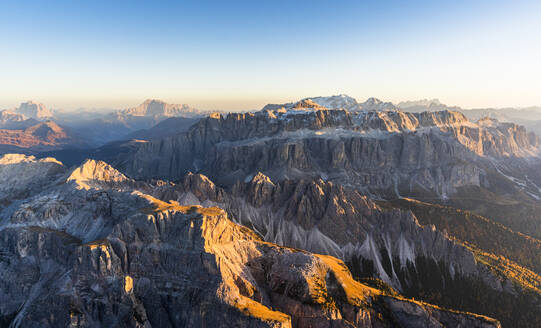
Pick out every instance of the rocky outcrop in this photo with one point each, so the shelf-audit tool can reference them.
(113, 256)
(95, 174)
(31, 109)
(154, 107)
(22, 176)
(425, 105)
(327, 218)
(12, 120)
(318, 216)
(140, 122)
(389, 154)
(336, 102)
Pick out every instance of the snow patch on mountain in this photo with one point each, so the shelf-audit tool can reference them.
(374, 104)
(336, 102)
(344, 102)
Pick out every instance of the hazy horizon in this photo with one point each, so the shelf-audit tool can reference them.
(258, 104)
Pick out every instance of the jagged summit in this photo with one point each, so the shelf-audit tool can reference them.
(261, 178)
(94, 173)
(47, 130)
(420, 102)
(21, 158)
(31, 109)
(155, 107)
(7, 116)
(335, 102)
(329, 102)
(63, 251)
(423, 105)
(374, 104)
(20, 175)
(307, 104)
(36, 135)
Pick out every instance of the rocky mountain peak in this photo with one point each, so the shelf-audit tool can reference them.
(201, 186)
(375, 104)
(260, 178)
(33, 109)
(93, 174)
(47, 130)
(126, 257)
(155, 107)
(37, 135)
(307, 104)
(260, 189)
(10, 116)
(420, 102)
(425, 105)
(21, 158)
(373, 101)
(21, 175)
(444, 117)
(113, 233)
(336, 102)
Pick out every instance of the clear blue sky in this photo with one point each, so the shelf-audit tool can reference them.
(243, 54)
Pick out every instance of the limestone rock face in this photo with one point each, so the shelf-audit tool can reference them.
(114, 255)
(93, 173)
(31, 109)
(326, 218)
(21, 175)
(336, 102)
(388, 153)
(154, 107)
(264, 220)
(10, 119)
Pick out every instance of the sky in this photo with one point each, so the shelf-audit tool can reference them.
(240, 55)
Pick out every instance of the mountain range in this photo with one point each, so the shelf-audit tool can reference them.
(99, 127)
(94, 128)
(324, 212)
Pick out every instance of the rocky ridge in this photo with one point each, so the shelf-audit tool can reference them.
(31, 109)
(104, 254)
(302, 177)
(154, 107)
(325, 218)
(385, 153)
(337, 102)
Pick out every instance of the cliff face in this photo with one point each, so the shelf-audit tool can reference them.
(309, 224)
(93, 249)
(389, 244)
(386, 153)
(155, 107)
(34, 110)
(326, 218)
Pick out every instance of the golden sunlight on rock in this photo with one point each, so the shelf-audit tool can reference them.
(128, 284)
